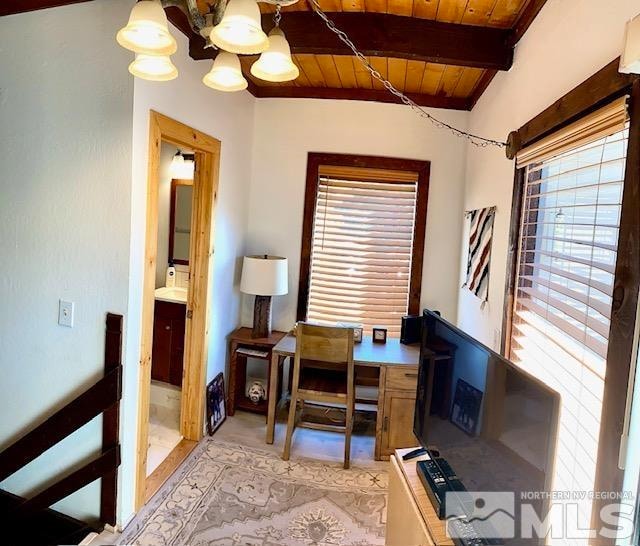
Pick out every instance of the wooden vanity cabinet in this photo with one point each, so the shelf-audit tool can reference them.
(169, 323)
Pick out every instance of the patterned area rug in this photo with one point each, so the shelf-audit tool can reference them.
(226, 494)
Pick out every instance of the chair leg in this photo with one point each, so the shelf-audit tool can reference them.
(347, 435)
(291, 423)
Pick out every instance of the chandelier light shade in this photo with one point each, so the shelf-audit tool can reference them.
(155, 68)
(225, 74)
(240, 30)
(147, 31)
(275, 64)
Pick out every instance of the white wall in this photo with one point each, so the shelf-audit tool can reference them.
(229, 118)
(569, 41)
(287, 129)
(65, 175)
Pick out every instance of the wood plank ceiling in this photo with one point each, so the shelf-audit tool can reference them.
(442, 53)
(410, 76)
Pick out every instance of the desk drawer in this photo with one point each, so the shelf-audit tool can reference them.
(401, 378)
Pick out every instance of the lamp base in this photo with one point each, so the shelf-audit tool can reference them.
(261, 317)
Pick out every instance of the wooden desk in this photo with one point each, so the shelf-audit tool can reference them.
(397, 382)
(411, 519)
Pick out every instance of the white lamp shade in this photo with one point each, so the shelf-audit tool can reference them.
(147, 31)
(264, 276)
(240, 30)
(181, 168)
(156, 68)
(275, 64)
(225, 74)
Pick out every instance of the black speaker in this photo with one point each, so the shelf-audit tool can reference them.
(411, 329)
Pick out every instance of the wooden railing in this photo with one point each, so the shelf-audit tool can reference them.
(103, 397)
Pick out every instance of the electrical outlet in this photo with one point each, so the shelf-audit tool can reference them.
(65, 313)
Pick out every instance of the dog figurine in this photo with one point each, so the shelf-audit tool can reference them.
(256, 392)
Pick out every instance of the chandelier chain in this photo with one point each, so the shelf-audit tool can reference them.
(277, 15)
(473, 139)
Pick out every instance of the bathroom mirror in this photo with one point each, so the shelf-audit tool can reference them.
(180, 221)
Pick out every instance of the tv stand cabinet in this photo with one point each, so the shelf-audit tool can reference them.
(411, 519)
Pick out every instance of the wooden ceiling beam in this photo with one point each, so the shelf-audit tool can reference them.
(377, 95)
(381, 35)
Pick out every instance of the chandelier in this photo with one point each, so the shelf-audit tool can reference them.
(232, 26)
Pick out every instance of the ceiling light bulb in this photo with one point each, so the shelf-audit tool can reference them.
(181, 168)
(155, 68)
(147, 31)
(240, 30)
(225, 74)
(275, 64)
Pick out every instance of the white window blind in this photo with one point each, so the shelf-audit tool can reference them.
(362, 246)
(564, 286)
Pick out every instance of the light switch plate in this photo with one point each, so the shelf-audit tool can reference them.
(65, 313)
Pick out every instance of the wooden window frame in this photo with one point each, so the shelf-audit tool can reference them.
(314, 161)
(603, 87)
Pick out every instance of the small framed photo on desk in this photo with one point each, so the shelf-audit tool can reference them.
(379, 334)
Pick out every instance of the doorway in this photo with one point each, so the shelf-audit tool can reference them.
(178, 254)
(175, 206)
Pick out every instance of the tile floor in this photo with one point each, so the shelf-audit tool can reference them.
(164, 423)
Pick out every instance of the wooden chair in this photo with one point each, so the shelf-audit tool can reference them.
(323, 372)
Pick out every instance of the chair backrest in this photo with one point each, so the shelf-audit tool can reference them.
(324, 343)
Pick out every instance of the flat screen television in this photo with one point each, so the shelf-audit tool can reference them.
(493, 423)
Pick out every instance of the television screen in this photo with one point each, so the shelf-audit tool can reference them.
(493, 423)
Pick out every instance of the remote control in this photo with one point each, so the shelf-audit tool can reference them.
(435, 484)
(464, 534)
(413, 454)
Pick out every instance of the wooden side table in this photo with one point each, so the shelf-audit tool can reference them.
(241, 347)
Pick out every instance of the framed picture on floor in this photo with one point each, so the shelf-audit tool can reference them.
(216, 410)
(466, 407)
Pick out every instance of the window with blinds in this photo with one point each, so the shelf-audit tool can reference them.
(362, 247)
(565, 275)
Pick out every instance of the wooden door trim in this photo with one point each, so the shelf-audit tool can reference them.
(207, 158)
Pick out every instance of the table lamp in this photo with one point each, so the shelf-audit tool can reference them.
(263, 276)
